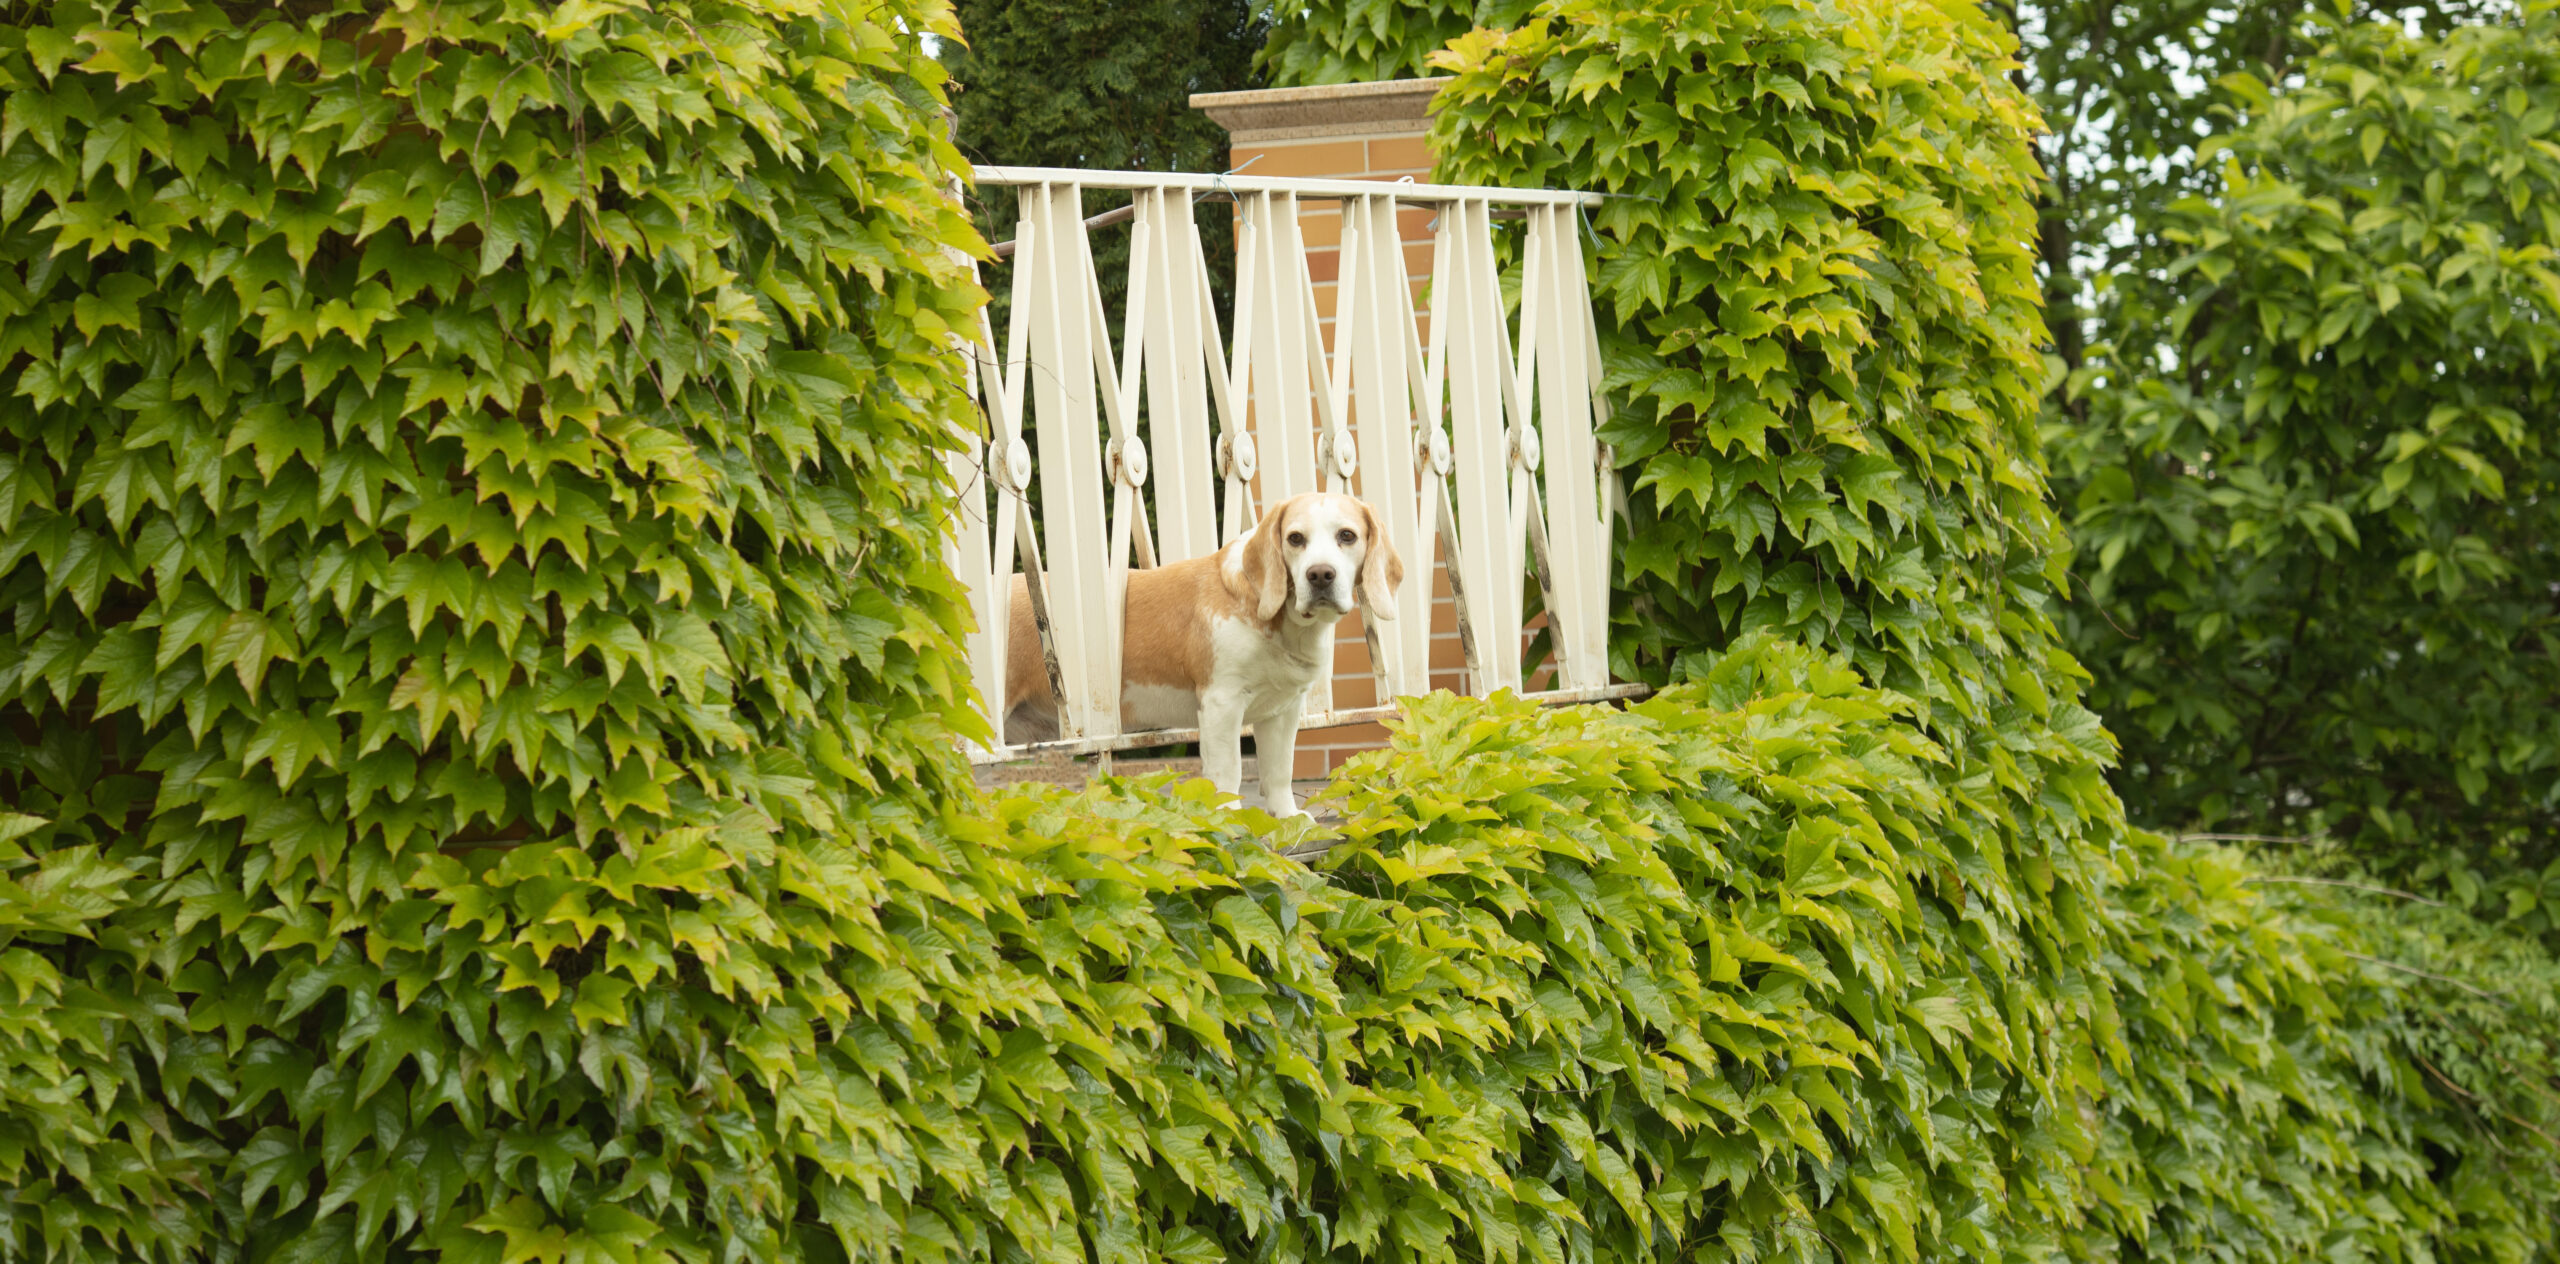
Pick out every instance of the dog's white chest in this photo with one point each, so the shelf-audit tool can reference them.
(1261, 667)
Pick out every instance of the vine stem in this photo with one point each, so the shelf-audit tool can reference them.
(2341, 882)
(2428, 974)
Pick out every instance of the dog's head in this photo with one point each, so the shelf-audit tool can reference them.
(1313, 557)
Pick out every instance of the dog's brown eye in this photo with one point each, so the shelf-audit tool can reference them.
(1297, 539)
(1346, 536)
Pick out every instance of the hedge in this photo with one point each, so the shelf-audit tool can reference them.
(472, 638)
(1740, 973)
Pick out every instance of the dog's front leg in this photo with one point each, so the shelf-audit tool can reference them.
(1222, 738)
(1275, 747)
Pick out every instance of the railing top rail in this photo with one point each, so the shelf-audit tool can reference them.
(1201, 181)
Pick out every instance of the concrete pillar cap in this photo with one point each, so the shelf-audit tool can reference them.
(1331, 109)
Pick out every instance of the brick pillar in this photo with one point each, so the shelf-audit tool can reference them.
(1356, 131)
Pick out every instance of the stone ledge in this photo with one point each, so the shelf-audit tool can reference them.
(1265, 115)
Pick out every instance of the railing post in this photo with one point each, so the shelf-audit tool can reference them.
(1272, 351)
(1168, 352)
(1576, 530)
(1466, 300)
(1374, 336)
(1062, 390)
(966, 549)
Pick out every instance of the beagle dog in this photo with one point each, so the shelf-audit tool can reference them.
(1228, 639)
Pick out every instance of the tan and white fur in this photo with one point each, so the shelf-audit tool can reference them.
(1229, 639)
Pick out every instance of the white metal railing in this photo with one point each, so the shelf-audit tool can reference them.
(1447, 440)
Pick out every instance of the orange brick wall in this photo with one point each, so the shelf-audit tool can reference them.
(1389, 155)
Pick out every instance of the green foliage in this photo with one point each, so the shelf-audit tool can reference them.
(1823, 327)
(1056, 84)
(2310, 1071)
(2317, 490)
(471, 632)
(2125, 88)
(1820, 326)
(1744, 972)
(476, 677)
(1068, 83)
(1360, 41)
(1732, 975)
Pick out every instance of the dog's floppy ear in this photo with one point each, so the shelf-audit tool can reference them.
(1381, 570)
(1261, 574)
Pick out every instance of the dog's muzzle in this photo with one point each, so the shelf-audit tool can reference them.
(1325, 586)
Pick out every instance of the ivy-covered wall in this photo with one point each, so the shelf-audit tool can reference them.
(472, 649)
(1728, 976)
(476, 778)
(1820, 316)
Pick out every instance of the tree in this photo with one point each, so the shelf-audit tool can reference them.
(1067, 83)
(2127, 89)
(2317, 524)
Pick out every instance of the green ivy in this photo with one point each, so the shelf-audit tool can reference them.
(2318, 1068)
(1820, 309)
(2317, 488)
(1360, 41)
(477, 704)
(1740, 973)
(473, 648)
(1819, 312)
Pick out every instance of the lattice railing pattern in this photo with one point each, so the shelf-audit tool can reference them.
(1475, 442)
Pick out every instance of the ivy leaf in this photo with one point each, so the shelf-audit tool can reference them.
(511, 225)
(49, 47)
(292, 741)
(626, 80)
(529, 1233)
(119, 53)
(247, 642)
(115, 303)
(600, 998)
(274, 1159)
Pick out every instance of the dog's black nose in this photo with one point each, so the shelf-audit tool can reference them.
(1320, 578)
